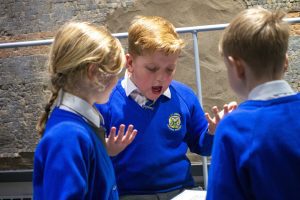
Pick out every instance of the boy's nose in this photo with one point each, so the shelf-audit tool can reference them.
(160, 77)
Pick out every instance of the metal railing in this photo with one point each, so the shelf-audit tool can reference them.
(16, 184)
(193, 30)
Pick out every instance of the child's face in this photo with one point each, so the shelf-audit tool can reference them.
(152, 73)
(103, 96)
(109, 87)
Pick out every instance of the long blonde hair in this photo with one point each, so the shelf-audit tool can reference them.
(76, 46)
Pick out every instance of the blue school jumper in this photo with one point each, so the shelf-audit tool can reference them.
(156, 160)
(256, 152)
(71, 161)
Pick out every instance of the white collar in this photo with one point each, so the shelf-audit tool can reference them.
(129, 87)
(75, 104)
(271, 90)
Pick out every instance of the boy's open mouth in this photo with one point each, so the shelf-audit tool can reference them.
(156, 89)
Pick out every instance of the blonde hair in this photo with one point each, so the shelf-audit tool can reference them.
(259, 37)
(76, 46)
(148, 34)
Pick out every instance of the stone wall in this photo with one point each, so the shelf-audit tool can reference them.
(288, 5)
(34, 16)
(23, 82)
(293, 73)
(23, 75)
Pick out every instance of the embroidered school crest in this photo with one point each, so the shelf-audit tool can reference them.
(174, 122)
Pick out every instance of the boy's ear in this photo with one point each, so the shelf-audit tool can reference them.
(238, 66)
(129, 61)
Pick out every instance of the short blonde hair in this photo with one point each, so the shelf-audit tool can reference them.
(76, 46)
(259, 37)
(148, 34)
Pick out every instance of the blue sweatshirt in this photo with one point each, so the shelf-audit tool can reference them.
(256, 153)
(71, 162)
(156, 160)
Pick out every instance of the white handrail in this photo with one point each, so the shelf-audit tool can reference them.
(192, 29)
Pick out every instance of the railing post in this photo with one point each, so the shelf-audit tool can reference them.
(199, 94)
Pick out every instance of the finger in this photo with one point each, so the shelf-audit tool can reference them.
(120, 133)
(216, 113)
(232, 106)
(211, 124)
(208, 118)
(132, 136)
(225, 109)
(112, 135)
(233, 103)
(128, 132)
(112, 132)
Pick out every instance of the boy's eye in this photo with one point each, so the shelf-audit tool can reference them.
(170, 71)
(152, 69)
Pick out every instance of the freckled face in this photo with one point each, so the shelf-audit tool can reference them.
(152, 73)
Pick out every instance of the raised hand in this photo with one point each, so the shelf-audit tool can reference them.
(218, 115)
(117, 143)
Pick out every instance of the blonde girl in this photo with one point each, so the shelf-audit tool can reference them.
(71, 160)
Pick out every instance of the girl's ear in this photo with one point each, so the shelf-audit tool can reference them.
(238, 66)
(92, 71)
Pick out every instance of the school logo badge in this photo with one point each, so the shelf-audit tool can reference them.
(174, 122)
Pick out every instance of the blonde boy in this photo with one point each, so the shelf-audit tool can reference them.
(256, 152)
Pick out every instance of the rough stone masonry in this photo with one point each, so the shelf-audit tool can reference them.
(23, 75)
